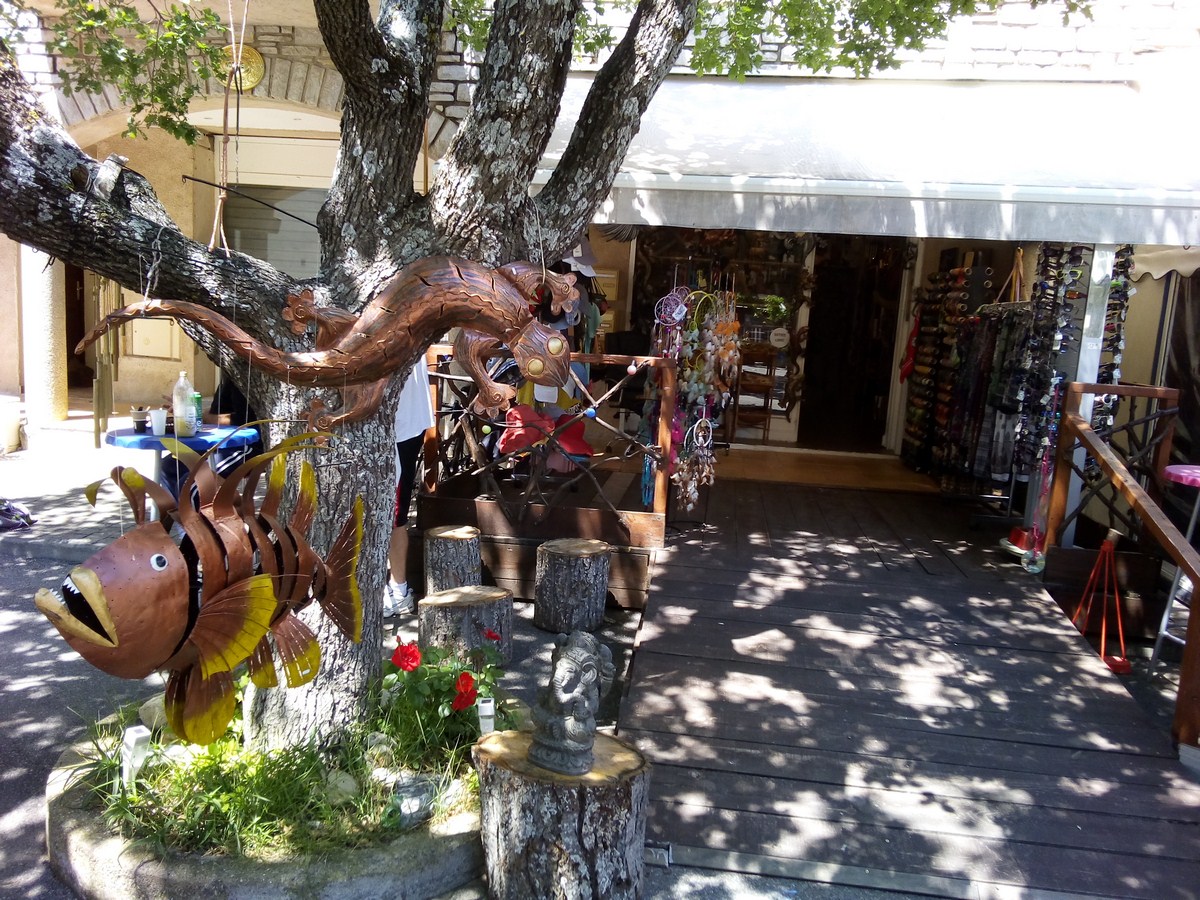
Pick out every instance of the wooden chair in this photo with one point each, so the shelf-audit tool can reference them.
(754, 404)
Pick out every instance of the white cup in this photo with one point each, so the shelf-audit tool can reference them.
(158, 421)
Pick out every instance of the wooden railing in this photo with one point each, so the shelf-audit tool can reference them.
(1075, 432)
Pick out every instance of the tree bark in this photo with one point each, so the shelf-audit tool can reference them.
(548, 835)
(571, 586)
(451, 557)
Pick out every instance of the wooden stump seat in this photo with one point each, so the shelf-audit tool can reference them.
(458, 620)
(572, 585)
(551, 835)
(451, 557)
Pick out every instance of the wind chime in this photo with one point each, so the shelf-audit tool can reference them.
(699, 330)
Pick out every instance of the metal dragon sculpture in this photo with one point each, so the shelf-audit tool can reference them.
(358, 353)
(226, 593)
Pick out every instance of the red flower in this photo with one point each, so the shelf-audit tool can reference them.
(465, 699)
(465, 684)
(490, 635)
(407, 657)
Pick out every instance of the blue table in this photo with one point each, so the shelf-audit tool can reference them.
(227, 436)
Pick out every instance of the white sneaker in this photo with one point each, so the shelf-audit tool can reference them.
(396, 601)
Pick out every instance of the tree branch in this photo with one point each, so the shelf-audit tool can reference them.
(383, 119)
(612, 113)
(351, 38)
(49, 195)
(486, 172)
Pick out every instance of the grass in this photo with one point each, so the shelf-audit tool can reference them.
(227, 799)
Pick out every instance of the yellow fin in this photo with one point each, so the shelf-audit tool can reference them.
(262, 666)
(200, 709)
(231, 623)
(342, 600)
(181, 452)
(92, 491)
(306, 500)
(298, 650)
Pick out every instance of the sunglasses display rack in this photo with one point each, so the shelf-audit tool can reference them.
(1104, 410)
(943, 328)
(1059, 298)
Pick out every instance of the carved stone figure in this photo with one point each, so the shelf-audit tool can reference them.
(564, 720)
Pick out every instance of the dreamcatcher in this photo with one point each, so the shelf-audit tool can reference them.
(699, 330)
(697, 464)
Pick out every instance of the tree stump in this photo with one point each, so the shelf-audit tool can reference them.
(550, 835)
(459, 620)
(571, 585)
(451, 557)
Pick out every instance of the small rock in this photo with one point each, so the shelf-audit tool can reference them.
(180, 753)
(153, 713)
(380, 750)
(340, 788)
(412, 800)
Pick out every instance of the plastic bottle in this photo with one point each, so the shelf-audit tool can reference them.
(183, 408)
(198, 406)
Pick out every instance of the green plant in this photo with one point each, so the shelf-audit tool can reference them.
(227, 799)
(429, 703)
(776, 310)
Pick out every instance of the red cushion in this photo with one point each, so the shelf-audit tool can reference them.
(523, 427)
(570, 439)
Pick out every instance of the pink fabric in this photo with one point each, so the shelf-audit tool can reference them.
(1189, 475)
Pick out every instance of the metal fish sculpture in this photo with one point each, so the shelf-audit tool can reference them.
(227, 593)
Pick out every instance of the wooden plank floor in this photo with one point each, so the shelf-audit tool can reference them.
(855, 687)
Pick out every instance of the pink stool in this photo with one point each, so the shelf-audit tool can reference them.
(1190, 476)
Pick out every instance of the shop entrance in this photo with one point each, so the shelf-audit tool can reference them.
(851, 339)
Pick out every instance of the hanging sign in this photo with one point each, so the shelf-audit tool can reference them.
(779, 338)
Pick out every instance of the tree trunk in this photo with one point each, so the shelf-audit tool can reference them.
(571, 585)
(549, 835)
(451, 557)
(360, 461)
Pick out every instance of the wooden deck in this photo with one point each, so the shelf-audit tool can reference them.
(855, 687)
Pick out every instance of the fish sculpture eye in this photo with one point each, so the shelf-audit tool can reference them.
(555, 346)
(158, 562)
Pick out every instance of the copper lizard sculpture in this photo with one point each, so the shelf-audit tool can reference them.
(358, 354)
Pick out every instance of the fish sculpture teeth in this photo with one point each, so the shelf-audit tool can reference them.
(225, 594)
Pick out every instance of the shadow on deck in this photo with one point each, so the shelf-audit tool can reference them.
(855, 688)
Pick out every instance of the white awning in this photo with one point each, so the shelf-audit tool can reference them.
(1022, 161)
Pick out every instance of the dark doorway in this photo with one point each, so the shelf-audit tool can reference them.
(851, 339)
(78, 373)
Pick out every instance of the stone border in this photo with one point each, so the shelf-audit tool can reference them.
(85, 855)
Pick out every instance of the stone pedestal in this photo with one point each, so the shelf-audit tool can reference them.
(451, 557)
(550, 835)
(572, 585)
(458, 620)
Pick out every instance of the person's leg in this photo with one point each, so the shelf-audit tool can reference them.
(398, 597)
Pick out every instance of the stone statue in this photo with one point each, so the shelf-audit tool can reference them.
(564, 720)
